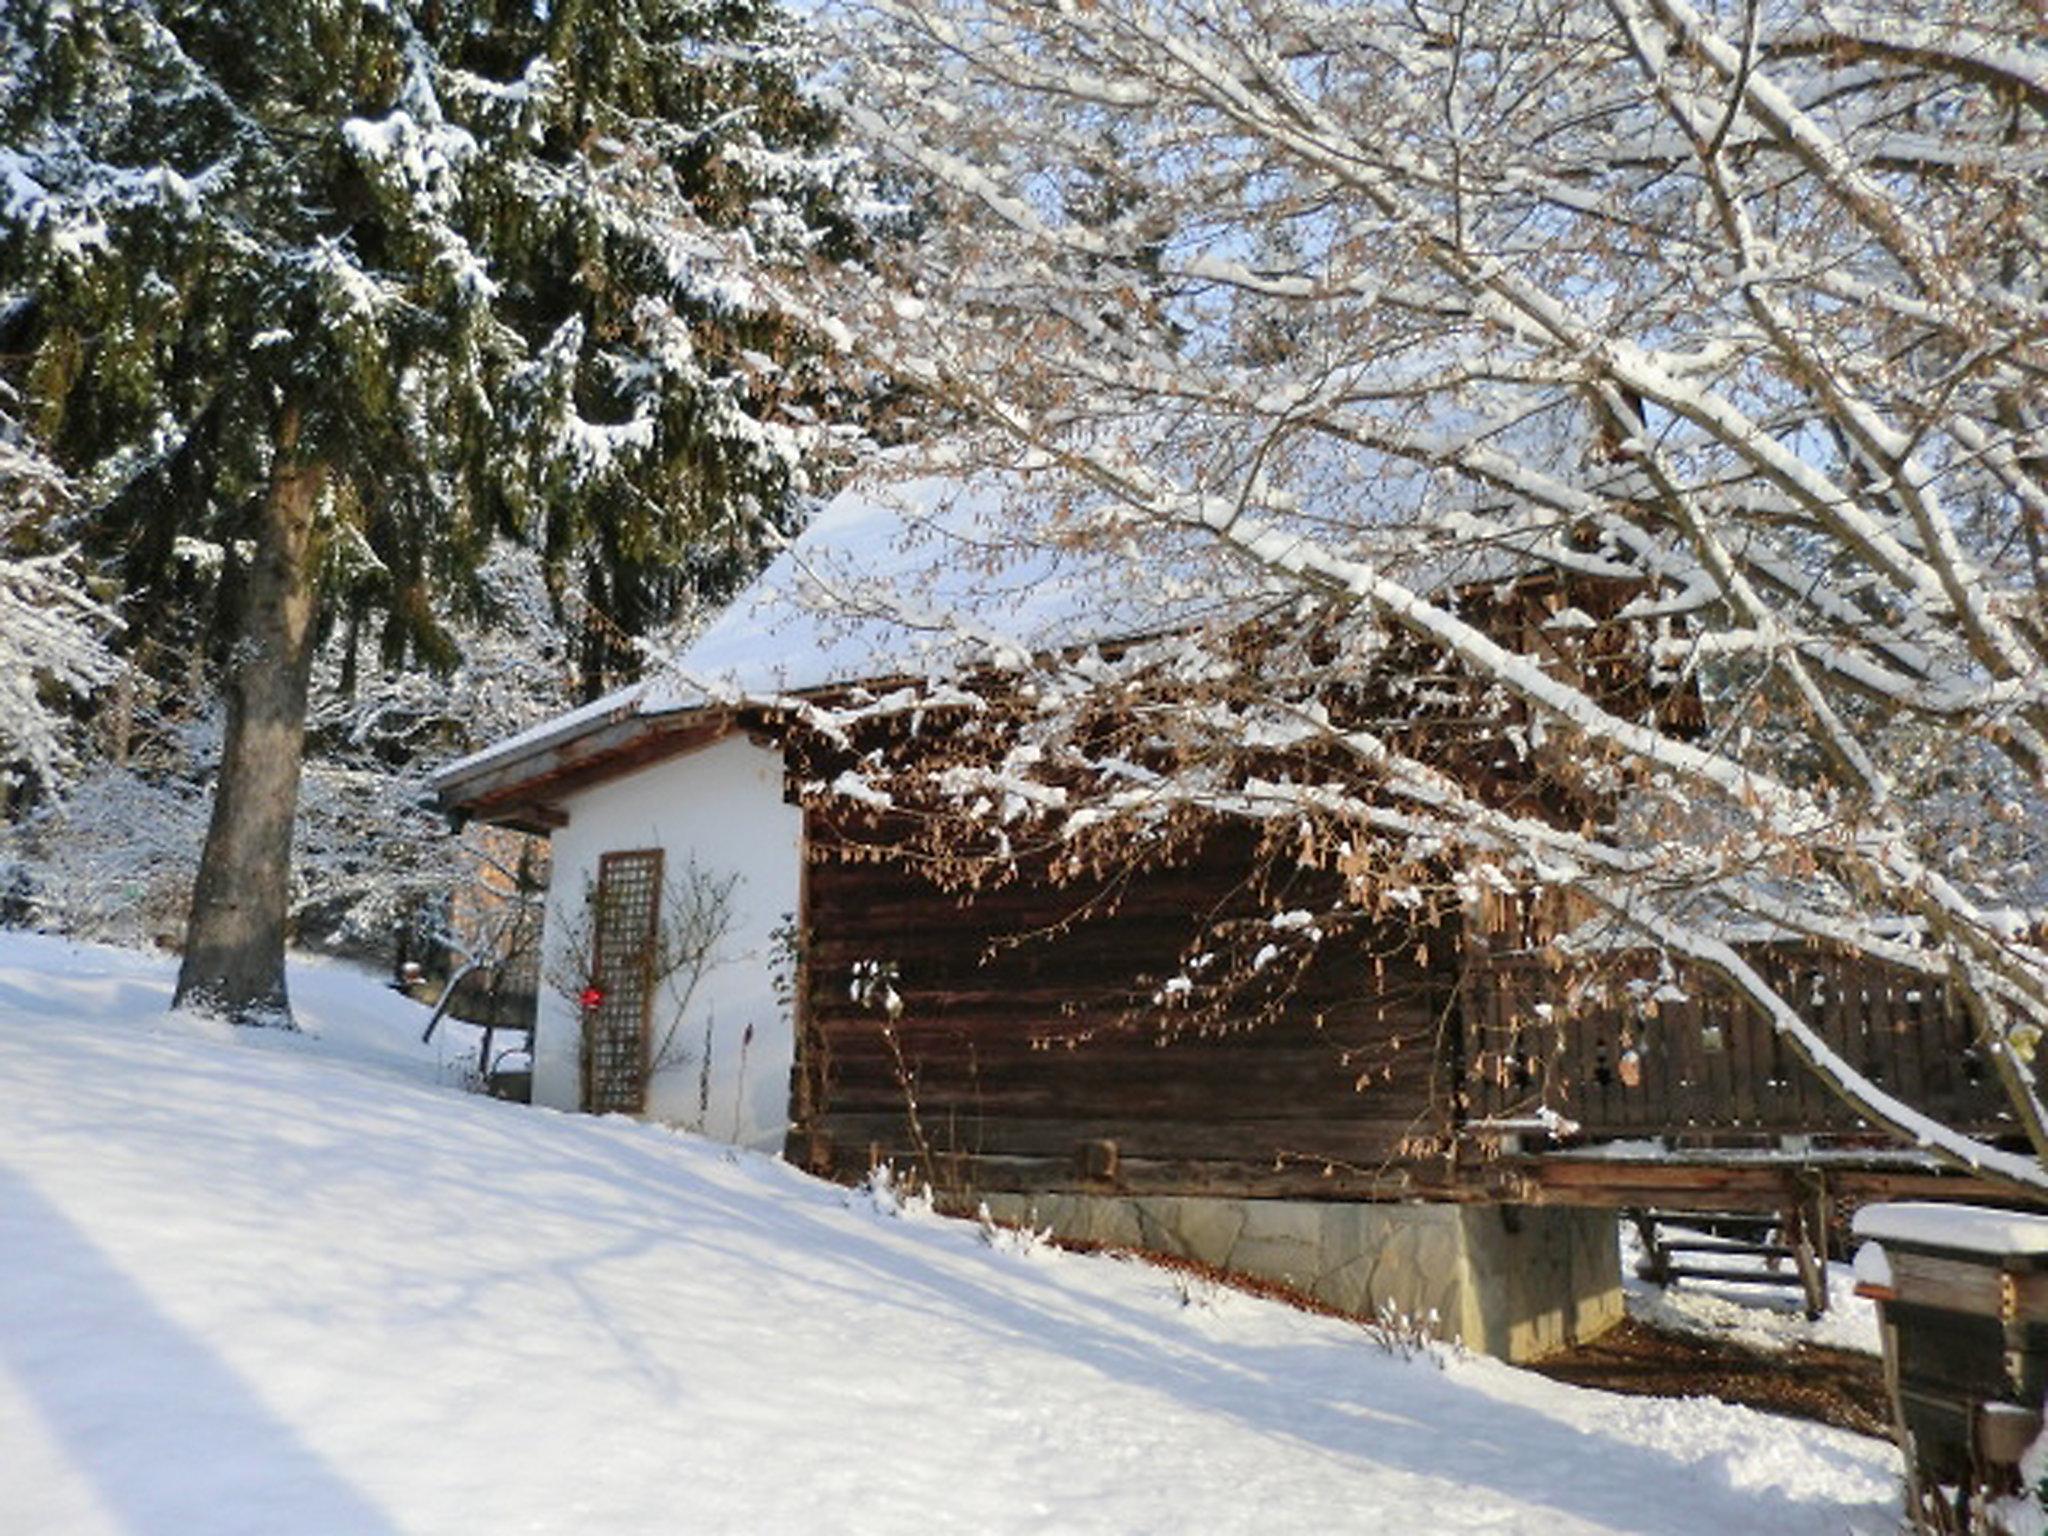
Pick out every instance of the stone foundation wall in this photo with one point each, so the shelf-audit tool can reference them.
(1517, 1282)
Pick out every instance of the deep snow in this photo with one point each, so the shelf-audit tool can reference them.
(252, 1283)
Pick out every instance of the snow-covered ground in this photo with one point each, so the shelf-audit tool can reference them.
(252, 1283)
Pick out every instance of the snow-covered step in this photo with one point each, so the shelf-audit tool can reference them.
(1779, 1248)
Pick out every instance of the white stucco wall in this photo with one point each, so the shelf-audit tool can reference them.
(720, 807)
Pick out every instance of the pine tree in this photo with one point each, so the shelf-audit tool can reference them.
(348, 290)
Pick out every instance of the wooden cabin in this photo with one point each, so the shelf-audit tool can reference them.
(1040, 1042)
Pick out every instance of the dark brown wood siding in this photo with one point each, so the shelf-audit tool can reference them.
(1028, 1048)
(1705, 1064)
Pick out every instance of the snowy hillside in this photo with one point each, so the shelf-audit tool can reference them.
(255, 1284)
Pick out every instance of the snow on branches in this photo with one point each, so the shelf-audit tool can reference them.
(1741, 311)
(52, 630)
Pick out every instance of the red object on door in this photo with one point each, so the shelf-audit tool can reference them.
(592, 996)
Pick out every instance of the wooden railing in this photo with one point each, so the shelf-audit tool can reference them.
(1706, 1065)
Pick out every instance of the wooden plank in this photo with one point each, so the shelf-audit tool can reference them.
(1916, 1055)
(527, 784)
(1808, 1093)
(1489, 1050)
(1763, 1187)
(1839, 1032)
(1196, 1102)
(1314, 1091)
(1787, 1279)
(1307, 1180)
(1613, 1026)
(1248, 1062)
(1824, 1013)
(1866, 1053)
(1799, 1086)
(1726, 1248)
(1779, 1101)
(1782, 1100)
(1658, 1078)
(1092, 1014)
(1925, 1279)
(1590, 1052)
(1359, 1140)
(1131, 1034)
(1747, 1058)
(1589, 1040)
(1716, 1061)
(1037, 1025)
(1484, 1003)
(1907, 1048)
(1649, 1098)
(1942, 1073)
(1526, 1061)
(1688, 1098)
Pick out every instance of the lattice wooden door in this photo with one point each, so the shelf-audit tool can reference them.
(621, 982)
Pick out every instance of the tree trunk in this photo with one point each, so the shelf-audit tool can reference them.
(234, 943)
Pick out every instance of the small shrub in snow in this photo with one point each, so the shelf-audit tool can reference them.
(1193, 1288)
(1024, 1241)
(112, 861)
(1408, 1336)
(892, 1194)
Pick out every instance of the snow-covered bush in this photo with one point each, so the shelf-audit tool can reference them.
(53, 632)
(113, 860)
(1024, 1241)
(898, 1196)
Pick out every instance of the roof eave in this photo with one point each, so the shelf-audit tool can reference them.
(524, 790)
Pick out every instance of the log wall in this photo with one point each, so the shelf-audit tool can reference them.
(1027, 1047)
(1030, 1050)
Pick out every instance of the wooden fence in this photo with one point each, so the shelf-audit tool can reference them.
(1708, 1065)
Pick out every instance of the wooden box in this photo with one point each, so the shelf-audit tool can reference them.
(1962, 1294)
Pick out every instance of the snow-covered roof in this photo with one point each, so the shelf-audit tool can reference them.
(914, 577)
(1966, 1228)
(921, 576)
(894, 578)
(618, 705)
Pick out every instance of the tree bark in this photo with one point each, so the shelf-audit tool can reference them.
(234, 943)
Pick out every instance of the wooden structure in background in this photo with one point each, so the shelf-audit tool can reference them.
(494, 921)
(1028, 1038)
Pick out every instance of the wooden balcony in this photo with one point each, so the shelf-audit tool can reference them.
(1704, 1069)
